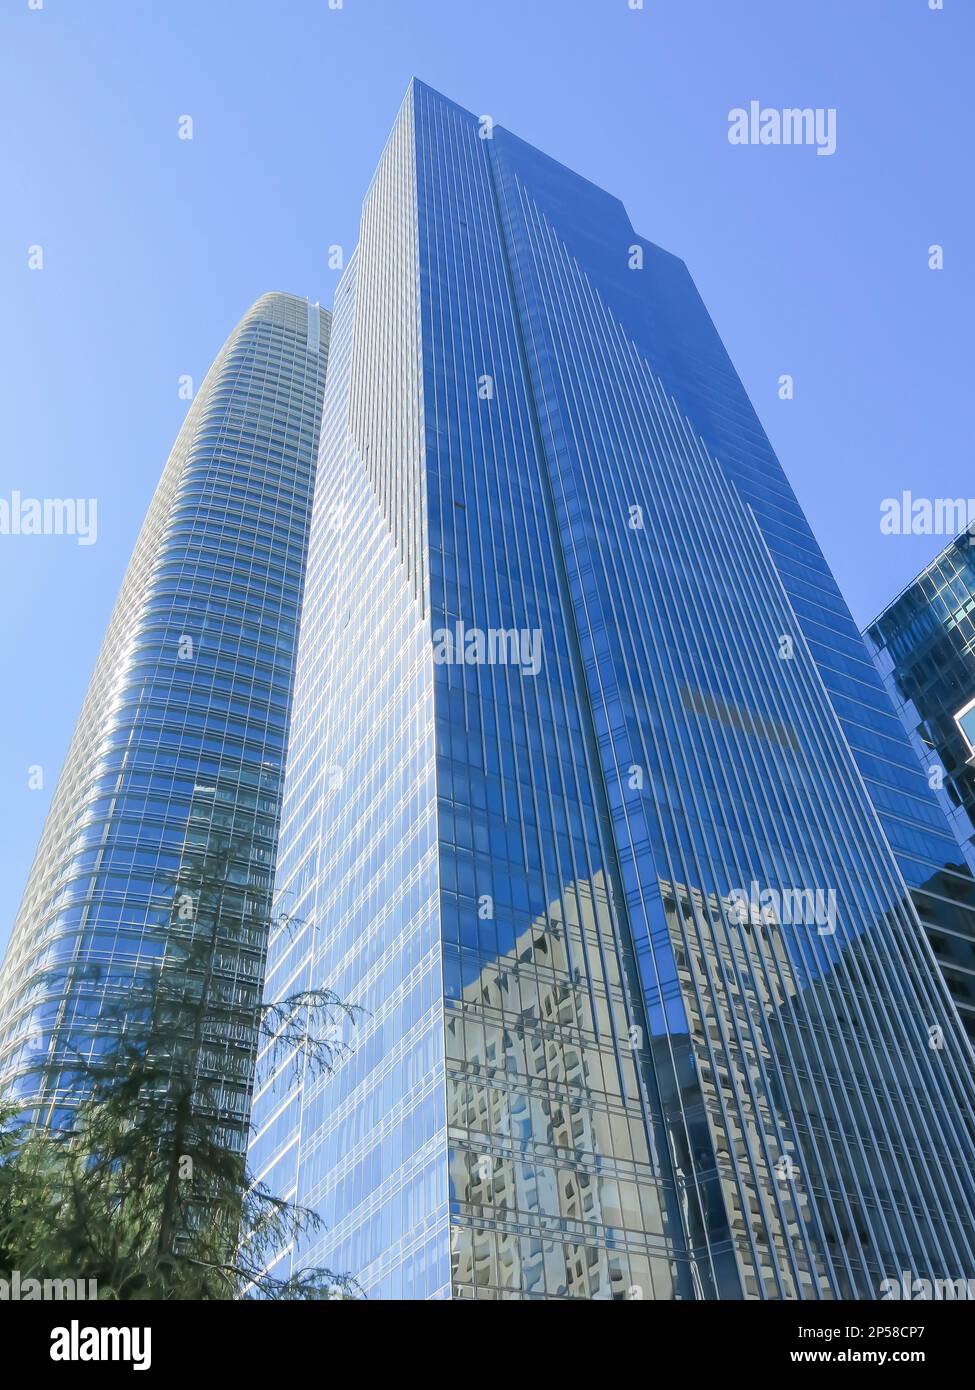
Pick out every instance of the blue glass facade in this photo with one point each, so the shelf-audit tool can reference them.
(578, 804)
(924, 647)
(176, 766)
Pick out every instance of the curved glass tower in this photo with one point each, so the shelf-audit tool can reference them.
(173, 776)
(577, 803)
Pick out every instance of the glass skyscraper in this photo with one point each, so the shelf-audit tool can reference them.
(582, 797)
(175, 770)
(924, 646)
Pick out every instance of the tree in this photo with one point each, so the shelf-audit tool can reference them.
(137, 1176)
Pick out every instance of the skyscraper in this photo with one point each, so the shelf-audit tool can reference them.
(924, 646)
(173, 777)
(570, 810)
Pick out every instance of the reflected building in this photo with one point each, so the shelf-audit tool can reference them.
(924, 646)
(161, 837)
(543, 1134)
(743, 970)
(573, 678)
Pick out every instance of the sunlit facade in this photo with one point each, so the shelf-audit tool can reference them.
(924, 646)
(175, 769)
(570, 812)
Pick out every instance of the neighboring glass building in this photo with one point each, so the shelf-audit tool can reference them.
(578, 798)
(174, 773)
(924, 646)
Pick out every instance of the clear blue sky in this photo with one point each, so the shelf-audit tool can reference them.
(154, 246)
